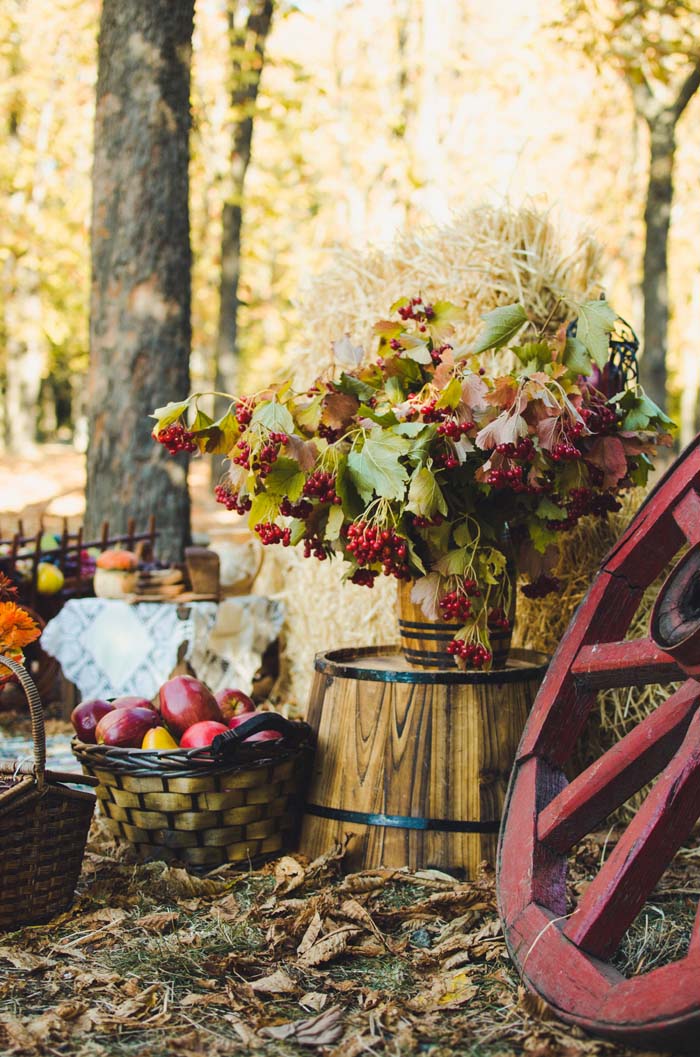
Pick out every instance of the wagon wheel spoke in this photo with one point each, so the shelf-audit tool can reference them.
(620, 772)
(636, 662)
(686, 514)
(665, 820)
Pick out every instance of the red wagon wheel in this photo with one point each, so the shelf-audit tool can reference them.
(563, 955)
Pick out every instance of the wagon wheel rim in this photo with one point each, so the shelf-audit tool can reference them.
(565, 957)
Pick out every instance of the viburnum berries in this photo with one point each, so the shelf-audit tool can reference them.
(270, 533)
(369, 544)
(224, 494)
(473, 654)
(321, 485)
(176, 439)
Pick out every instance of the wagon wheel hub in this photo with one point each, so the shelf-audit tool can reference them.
(565, 954)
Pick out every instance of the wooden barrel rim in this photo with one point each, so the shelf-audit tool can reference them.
(530, 665)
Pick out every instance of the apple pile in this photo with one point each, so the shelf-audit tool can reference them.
(186, 715)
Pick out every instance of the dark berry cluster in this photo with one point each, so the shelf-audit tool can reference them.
(497, 619)
(541, 587)
(328, 433)
(364, 577)
(427, 522)
(242, 456)
(176, 439)
(524, 450)
(314, 547)
(437, 354)
(270, 533)
(472, 653)
(599, 417)
(321, 485)
(369, 544)
(231, 500)
(299, 510)
(454, 429)
(417, 309)
(456, 605)
(447, 459)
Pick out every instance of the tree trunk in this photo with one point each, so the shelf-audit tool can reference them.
(247, 59)
(657, 218)
(140, 303)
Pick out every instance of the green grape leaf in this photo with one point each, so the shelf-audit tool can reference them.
(352, 386)
(336, 517)
(549, 511)
(576, 357)
(535, 354)
(502, 324)
(451, 395)
(274, 416)
(424, 496)
(353, 504)
(595, 321)
(265, 508)
(285, 479)
(541, 536)
(375, 468)
(170, 413)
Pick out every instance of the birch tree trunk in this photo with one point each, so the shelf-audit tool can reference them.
(140, 300)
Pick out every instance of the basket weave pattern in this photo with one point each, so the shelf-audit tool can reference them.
(179, 805)
(43, 830)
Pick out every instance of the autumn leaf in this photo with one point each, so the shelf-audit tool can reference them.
(595, 321)
(506, 429)
(321, 1030)
(502, 324)
(608, 454)
(304, 451)
(346, 353)
(277, 983)
(339, 409)
(328, 947)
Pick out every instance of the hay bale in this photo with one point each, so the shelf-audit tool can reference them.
(486, 257)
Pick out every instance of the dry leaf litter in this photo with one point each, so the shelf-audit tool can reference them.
(293, 959)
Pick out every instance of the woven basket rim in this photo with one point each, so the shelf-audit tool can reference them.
(189, 763)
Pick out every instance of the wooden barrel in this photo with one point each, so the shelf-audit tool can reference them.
(413, 765)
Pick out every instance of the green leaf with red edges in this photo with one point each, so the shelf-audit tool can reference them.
(285, 479)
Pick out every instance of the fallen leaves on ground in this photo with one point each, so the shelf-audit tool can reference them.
(293, 959)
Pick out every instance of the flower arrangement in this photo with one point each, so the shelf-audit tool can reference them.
(432, 463)
(17, 627)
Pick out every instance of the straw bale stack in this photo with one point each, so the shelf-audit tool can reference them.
(485, 258)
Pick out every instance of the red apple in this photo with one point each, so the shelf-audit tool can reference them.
(262, 735)
(132, 701)
(233, 702)
(87, 715)
(126, 727)
(200, 734)
(185, 701)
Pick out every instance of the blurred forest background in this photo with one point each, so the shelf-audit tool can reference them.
(362, 119)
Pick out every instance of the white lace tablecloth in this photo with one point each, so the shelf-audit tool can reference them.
(109, 648)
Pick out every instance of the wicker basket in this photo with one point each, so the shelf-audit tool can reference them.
(229, 802)
(43, 828)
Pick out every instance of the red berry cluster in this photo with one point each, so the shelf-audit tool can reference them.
(455, 606)
(299, 510)
(431, 413)
(447, 460)
(507, 477)
(523, 450)
(565, 451)
(437, 354)
(244, 413)
(231, 500)
(416, 309)
(176, 439)
(364, 577)
(599, 417)
(321, 485)
(369, 544)
(498, 619)
(454, 429)
(473, 653)
(427, 522)
(542, 586)
(270, 533)
(314, 547)
(243, 456)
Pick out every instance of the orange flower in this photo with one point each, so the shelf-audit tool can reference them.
(17, 629)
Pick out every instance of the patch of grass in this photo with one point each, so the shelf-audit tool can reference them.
(659, 935)
(387, 973)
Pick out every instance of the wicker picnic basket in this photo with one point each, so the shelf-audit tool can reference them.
(43, 828)
(232, 801)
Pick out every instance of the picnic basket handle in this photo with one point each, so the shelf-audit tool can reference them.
(36, 713)
(224, 745)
